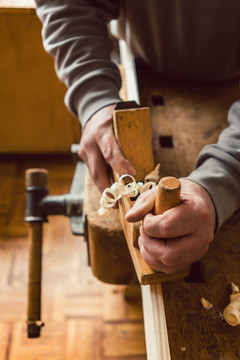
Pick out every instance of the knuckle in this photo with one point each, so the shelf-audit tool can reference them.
(144, 254)
(166, 228)
(107, 152)
(170, 271)
(85, 143)
(145, 245)
(169, 259)
(85, 148)
(146, 225)
(93, 172)
(80, 152)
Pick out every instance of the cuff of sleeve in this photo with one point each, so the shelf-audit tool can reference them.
(222, 184)
(85, 102)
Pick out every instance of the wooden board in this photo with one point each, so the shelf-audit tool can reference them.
(156, 332)
(133, 131)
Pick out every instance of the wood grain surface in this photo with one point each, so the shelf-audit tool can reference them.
(186, 116)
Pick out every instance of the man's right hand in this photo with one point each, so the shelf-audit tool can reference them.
(98, 146)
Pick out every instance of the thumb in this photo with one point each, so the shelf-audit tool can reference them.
(143, 205)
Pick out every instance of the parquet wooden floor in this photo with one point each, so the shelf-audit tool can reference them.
(85, 319)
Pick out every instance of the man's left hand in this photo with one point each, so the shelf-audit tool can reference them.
(179, 237)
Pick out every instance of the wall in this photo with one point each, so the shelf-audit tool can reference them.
(33, 117)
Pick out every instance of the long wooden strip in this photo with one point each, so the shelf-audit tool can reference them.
(156, 334)
(155, 323)
(153, 306)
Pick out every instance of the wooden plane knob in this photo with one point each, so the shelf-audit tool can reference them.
(168, 195)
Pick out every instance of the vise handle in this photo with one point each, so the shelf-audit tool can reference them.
(36, 181)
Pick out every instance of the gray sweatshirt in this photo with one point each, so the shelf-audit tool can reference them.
(197, 40)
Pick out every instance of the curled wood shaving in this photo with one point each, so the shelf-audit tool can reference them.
(122, 187)
(206, 304)
(235, 288)
(153, 175)
(231, 313)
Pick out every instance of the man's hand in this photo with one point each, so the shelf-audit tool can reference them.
(98, 147)
(179, 237)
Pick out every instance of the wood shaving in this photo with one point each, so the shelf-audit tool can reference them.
(206, 304)
(122, 187)
(235, 288)
(231, 313)
(153, 175)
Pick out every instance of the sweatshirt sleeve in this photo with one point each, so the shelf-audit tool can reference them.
(218, 168)
(75, 33)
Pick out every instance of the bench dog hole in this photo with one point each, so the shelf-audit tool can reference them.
(166, 141)
(158, 100)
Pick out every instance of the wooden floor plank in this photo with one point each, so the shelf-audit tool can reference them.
(84, 339)
(6, 261)
(48, 347)
(116, 308)
(5, 339)
(121, 340)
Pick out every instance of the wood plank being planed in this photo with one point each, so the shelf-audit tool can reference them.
(156, 335)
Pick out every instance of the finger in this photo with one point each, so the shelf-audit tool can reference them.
(155, 246)
(143, 205)
(156, 264)
(173, 252)
(98, 169)
(113, 155)
(81, 153)
(179, 221)
(170, 252)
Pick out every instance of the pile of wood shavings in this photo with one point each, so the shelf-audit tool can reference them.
(123, 186)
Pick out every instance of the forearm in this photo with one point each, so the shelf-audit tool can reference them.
(218, 168)
(76, 34)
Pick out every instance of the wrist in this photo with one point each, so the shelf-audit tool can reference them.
(198, 191)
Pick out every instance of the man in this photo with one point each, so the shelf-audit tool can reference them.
(182, 39)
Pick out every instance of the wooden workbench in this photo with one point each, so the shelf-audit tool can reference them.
(186, 116)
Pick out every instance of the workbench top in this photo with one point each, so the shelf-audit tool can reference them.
(187, 116)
